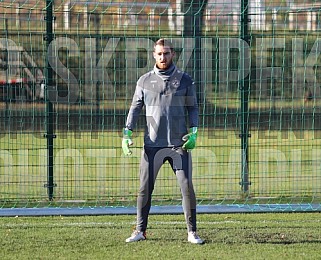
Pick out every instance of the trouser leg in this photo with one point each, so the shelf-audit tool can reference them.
(148, 173)
(184, 177)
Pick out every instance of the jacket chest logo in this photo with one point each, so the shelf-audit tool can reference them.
(175, 83)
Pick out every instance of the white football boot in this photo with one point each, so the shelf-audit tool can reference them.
(136, 236)
(194, 238)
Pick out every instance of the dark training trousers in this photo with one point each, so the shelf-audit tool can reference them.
(181, 162)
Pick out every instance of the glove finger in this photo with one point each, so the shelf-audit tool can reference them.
(185, 146)
(127, 151)
(185, 137)
(125, 147)
(189, 145)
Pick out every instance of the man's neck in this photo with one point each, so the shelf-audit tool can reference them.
(168, 71)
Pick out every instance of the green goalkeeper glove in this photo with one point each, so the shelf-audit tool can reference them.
(127, 141)
(190, 139)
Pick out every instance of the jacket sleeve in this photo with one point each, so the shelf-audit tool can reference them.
(192, 105)
(136, 107)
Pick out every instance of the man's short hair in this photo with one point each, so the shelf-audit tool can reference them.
(164, 42)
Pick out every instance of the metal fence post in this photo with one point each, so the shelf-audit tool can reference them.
(49, 105)
(244, 88)
(193, 26)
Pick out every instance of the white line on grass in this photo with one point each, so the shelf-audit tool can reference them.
(120, 224)
(94, 224)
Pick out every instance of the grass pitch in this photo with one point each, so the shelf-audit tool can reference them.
(227, 236)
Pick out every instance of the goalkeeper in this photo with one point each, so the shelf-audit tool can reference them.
(169, 97)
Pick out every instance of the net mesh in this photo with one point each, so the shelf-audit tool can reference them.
(98, 51)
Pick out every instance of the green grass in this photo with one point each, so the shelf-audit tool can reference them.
(227, 236)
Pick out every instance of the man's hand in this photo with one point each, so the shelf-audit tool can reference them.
(127, 141)
(190, 139)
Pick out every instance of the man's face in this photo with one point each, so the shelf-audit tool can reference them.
(163, 56)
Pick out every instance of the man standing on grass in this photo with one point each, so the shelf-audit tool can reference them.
(169, 97)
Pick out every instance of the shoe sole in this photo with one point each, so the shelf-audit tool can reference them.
(197, 243)
(130, 241)
(134, 241)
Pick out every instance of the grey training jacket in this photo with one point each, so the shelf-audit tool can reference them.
(171, 106)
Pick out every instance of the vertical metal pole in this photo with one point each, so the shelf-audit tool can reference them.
(244, 88)
(193, 25)
(198, 26)
(49, 108)
(97, 24)
(8, 91)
